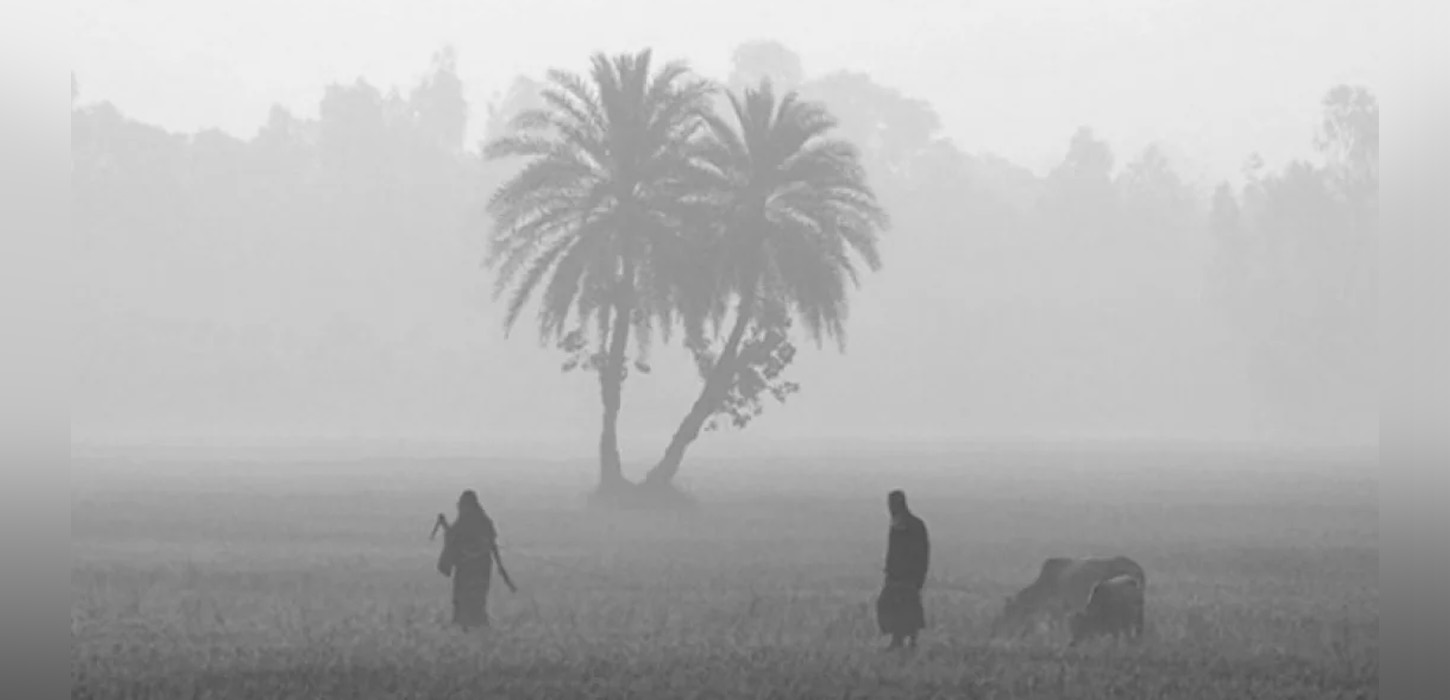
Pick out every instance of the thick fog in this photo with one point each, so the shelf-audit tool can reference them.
(1143, 220)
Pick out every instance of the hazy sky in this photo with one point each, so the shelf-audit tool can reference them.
(1217, 79)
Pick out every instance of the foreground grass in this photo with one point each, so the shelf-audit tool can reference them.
(212, 589)
(576, 668)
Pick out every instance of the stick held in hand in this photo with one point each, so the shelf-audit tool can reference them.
(502, 572)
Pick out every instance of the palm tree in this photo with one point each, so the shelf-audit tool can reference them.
(592, 224)
(795, 213)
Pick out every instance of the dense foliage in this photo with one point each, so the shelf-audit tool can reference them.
(321, 277)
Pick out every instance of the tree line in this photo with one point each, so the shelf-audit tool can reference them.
(639, 202)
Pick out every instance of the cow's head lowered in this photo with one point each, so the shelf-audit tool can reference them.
(1017, 612)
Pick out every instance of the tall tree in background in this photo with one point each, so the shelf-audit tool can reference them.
(764, 59)
(522, 95)
(592, 225)
(795, 216)
(1079, 197)
(438, 100)
(1349, 140)
(1226, 227)
(1157, 200)
(1298, 266)
(888, 128)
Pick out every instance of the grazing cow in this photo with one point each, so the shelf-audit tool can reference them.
(1061, 589)
(1114, 608)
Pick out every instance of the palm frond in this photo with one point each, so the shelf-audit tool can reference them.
(537, 269)
(569, 275)
(800, 214)
(611, 199)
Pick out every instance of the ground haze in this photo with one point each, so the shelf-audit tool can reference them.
(196, 575)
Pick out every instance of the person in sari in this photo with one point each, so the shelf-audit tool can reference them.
(470, 546)
(899, 610)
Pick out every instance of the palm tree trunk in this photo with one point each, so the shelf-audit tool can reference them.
(717, 387)
(611, 390)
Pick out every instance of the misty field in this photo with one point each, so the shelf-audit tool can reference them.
(200, 577)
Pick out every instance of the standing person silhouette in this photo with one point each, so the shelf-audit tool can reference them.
(470, 546)
(899, 611)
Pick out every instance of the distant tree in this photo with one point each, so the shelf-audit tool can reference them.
(1298, 268)
(1080, 197)
(285, 154)
(438, 100)
(1234, 260)
(1224, 216)
(1156, 200)
(796, 216)
(889, 129)
(282, 282)
(754, 61)
(592, 224)
(1088, 157)
(353, 139)
(1349, 140)
(522, 95)
(217, 184)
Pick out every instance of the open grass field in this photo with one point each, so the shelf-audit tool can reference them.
(307, 579)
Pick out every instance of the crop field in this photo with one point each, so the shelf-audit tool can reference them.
(201, 577)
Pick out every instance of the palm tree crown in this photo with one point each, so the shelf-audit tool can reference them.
(792, 212)
(795, 208)
(593, 217)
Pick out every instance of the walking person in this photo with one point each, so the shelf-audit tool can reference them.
(470, 546)
(899, 611)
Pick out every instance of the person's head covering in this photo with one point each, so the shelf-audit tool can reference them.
(471, 518)
(468, 501)
(896, 502)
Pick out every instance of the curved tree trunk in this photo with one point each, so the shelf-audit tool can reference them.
(717, 387)
(611, 392)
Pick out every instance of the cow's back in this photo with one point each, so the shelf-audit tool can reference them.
(1077, 578)
(1063, 587)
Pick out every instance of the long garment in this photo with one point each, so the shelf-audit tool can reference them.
(468, 550)
(899, 611)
